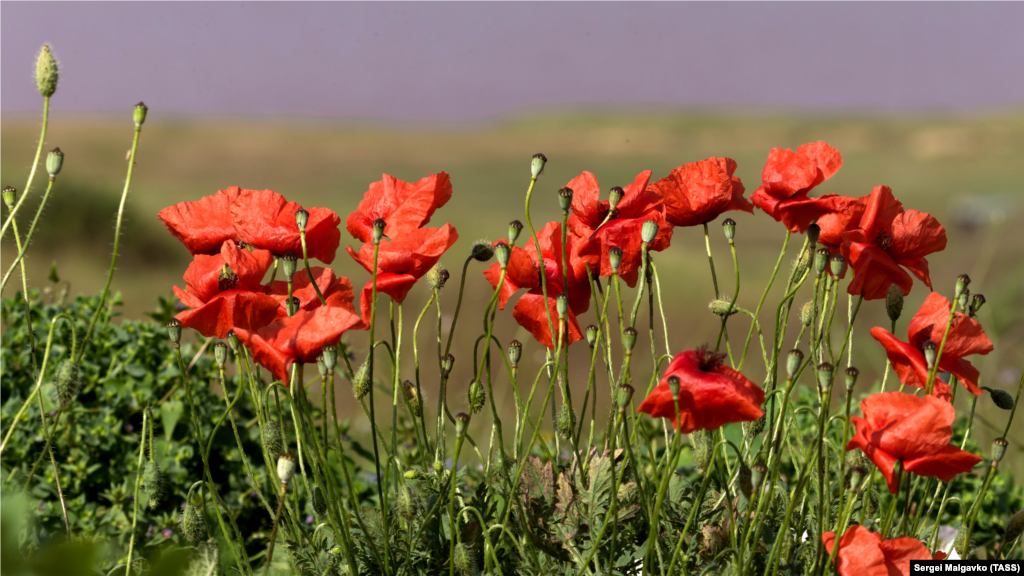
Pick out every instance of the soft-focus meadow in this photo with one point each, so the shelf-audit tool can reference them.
(966, 170)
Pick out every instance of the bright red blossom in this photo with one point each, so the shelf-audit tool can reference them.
(524, 272)
(638, 205)
(265, 219)
(699, 192)
(204, 225)
(899, 427)
(404, 206)
(710, 393)
(966, 337)
(864, 553)
(886, 238)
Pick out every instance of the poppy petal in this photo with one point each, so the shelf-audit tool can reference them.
(403, 205)
(231, 310)
(944, 463)
(531, 314)
(874, 270)
(396, 286)
(203, 225)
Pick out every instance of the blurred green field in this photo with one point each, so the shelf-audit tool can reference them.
(966, 170)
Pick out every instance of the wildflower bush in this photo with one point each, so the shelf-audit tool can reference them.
(131, 447)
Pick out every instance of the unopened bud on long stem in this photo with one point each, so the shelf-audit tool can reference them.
(46, 72)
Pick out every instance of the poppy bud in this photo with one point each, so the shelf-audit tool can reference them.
(537, 164)
(514, 228)
(285, 467)
(174, 330)
(319, 502)
(503, 252)
(999, 449)
(977, 301)
(962, 281)
(412, 396)
(301, 218)
(406, 504)
(153, 484)
(703, 444)
(463, 560)
(46, 72)
(591, 333)
(1001, 398)
(565, 199)
(54, 162)
(813, 231)
(758, 472)
(753, 429)
(722, 307)
(894, 302)
(615, 258)
(321, 366)
(411, 474)
(820, 260)
(648, 231)
(482, 251)
(330, 352)
(837, 265)
(629, 339)
(624, 396)
(273, 440)
(361, 381)
(446, 364)
(476, 397)
(562, 305)
(857, 476)
(9, 194)
(566, 421)
(233, 340)
(824, 376)
(293, 305)
(673, 386)
(729, 227)
(515, 352)
(437, 276)
(793, 361)
(615, 196)
(220, 353)
(192, 525)
(801, 263)
(139, 114)
(743, 477)
(807, 313)
(461, 423)
(930, 350)
(68, 383)
(851, 378)
(378, 230)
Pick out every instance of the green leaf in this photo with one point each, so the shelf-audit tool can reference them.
(170, 413)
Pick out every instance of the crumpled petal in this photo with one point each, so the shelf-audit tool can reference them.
(414, 252)
(202, 277)
(203, 225)
(966, 335)
(701, 191)
(404, 206)
(787, 173)
(874, 271)
(264, 219)
(230, 310)
(860, 553)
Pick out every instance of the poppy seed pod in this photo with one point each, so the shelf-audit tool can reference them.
(591, 333)
(437, 276)
(273, 441)
(565, 198)
(220, 353)
(758, 471)
(54, 162)
(837, 265)
(139, 114)
(615, 196)
(301, 219)
(503, 253)
(285, 467)
(566, 421)
(476, 397)
(977, 301)
(820, 260)
(233, 340)
(46, 72)
(857, 476)
(824, 376)
(482, 251)
(813, 232)
(461, 423)
(648, 231)
(962, 281)
(562, 305)
(722, 307)
(624, 396)
(673, 386)
(629, 339)
(999, 449)
(793, 361)
(378, 230)
(894, 302)
(930, 350)
(729, 227)
(514, 228)
(537, 164)
(446, 364)
(321, 366)
(615, 258)
(68, 383)
(330, 353)
(851, 378)
(361, 381)
(9, 194)
(319, 502)
(1000, 398)
(174, 330)
(515, 352)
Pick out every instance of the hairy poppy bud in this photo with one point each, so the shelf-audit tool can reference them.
(793, 361)
(615, 196)
(46, 72)
(615, 258)
(503, 252)
(361, 381)
(624, 396)
(139, 114)
(463, 560)
(851, 377)
(562, 305)
(837, 265)
(9, 194)
(411, 474)
(273, 440)
(153, 484)
(482, 251)
(729, 227)
(319, 502)
(461, 423)
(820, 260)
(857, 476)
(894, 302)
(192, 525)
(437, 276)
(648, 231)
(703, 444)
(321, 366)
(412, 396)
(1001, 398)
(174, 330)
(537, 164)
(285, 467)
(807, 313)
(233, 340)
(999, 449)
(515, 352)
(629, 339)
(930, 350)
(220, 353)
(330, 352)
(54, 162)
(801, 263)
(476, 397)
(68, 383)
(514, 228)
(566, 421)
(722, 307)
(673, 386)
(824, 376)
(962, 281)
(977, 301)
(753, 429)
(301, 219)
(565, 199)
(591, 333)
(743, 477)
(406, 504)
(758, 472)
(378, 230)
(813, 232)
(446, 364)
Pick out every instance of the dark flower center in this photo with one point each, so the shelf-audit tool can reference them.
(708, 359)
(228, 280)
(883, 240)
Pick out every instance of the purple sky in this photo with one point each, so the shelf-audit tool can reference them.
(467, 61)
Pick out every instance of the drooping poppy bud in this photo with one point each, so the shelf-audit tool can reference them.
(461, 423)
(285, 467)
(503, 253)
(68, 383)
(615, 196)
(629, 339)
(54, 162)
(1000, 398)
(301, 219)
(591, 333)
(537, 164)
(192, 525)
(894, 302)
(139, 114)
(565, 198)
(648, 231)
(482, 251)
(820, 260)
(515, 227)
(793, 361)
(615, 258)
(999, 449)
(361, 381)
(729, 227)
(824, 376)
(722, 307)
(378, 230)
(813, 232)
(515, 352)
(220, 353)
(962, 281)
(46, 72)
(851, 378)
(476, 397)
(977, 301)
(174, 330)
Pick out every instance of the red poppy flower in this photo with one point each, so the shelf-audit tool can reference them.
(966, 337)
(916, 431)
(264, 219)
(404, 206)
(203, 225)
(638, 205)
(412, 253)
(699, 192)
(395, 285)
(788, 176)
(224, 291)
(299, 338)
(864, 553)
(524, 272)
(337, 290)
(710, 393)
(886, 238)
